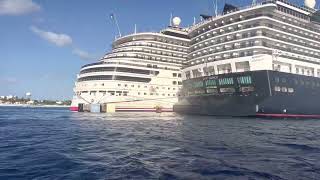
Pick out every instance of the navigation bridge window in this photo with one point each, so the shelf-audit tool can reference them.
(244, 80)
(226, 81)
(197, 84)
(211, 82)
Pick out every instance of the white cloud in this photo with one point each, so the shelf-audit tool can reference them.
(18, 7)
(8, 80)
(62, 40)
(83, 54)
(55, 38)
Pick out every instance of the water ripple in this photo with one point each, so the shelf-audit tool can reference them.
(50, 143)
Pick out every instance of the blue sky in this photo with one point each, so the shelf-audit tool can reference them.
(43, 43)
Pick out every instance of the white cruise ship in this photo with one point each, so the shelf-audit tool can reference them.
(142, 73)
(260, 60)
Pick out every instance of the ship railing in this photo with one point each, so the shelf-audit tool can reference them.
(239, 9)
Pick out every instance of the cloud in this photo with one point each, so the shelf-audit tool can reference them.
(8, 80)
(18, 7)
(62, 40)
(83, 54)
(55, 38)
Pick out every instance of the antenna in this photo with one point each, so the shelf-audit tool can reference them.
(194, 21)
(170, 19)
(135, 28)
(254, 2)
(114, 19)
(215, 5)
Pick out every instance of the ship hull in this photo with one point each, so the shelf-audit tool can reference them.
(118, 104)
(273, 94)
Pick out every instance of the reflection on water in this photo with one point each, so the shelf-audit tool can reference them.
(55, 143)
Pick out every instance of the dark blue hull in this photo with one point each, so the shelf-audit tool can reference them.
(266, 93)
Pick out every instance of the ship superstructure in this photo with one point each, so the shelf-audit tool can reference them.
(274, 40)
(142, 73)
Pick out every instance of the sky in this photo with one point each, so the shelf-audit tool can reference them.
(44, 43)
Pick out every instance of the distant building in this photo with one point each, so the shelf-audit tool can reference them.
(10, 97)
(30, 102)
(59, 102)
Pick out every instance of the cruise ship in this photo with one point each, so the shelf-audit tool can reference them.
(259, 60)
(141, 73)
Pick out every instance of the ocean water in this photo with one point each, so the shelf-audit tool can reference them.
(52, 143)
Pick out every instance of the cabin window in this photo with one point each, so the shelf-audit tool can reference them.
(276, 79)
(290, 90)
(196, 92)
(244, 80)
(227, 90)
(284, 89)
(283, 80)
(198, 84)
(247, 89)
(211, 82)
(111, 93)
(212, 91)
(226, 81)
(277, 89)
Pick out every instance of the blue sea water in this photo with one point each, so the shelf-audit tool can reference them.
(53, 143)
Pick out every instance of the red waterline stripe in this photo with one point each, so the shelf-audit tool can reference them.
(138, 108)
(142, 110)
(139, 111)
(74, 108)
(290, 115)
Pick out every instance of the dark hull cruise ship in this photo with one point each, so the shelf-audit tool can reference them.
(262, 60)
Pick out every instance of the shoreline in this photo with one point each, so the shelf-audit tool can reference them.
(26, 105)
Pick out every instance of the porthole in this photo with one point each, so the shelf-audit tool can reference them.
(284, 89)
(290, 90)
